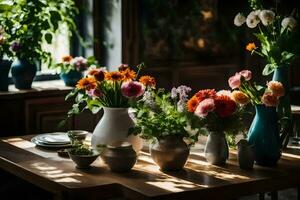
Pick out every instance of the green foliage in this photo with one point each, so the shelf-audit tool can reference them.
(80, 150)
(160, 118)
(30, 22)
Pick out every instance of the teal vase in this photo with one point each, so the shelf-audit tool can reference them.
(281, 74)
(264, 136)
(23, 73)
(71, 78)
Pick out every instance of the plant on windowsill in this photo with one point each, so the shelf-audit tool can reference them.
(71, 69)
(162, 118)
(29, 23)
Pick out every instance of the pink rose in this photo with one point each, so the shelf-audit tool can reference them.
(204, 107)
(269, 99)
(235, 81)
(131, 89)
(246, 74)
(94, 93)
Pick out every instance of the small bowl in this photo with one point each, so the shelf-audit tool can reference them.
(79, 135)
(84, 161)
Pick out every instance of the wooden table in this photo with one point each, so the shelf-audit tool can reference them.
(198, 180)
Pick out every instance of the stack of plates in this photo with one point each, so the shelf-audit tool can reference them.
(52, 140)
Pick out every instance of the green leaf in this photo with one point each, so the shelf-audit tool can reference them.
(286, 56)
(48, 38)
(269, 68)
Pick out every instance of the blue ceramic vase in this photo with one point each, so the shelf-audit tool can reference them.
(264, 136)
(4, 69)
(23, 73)
(71, 78)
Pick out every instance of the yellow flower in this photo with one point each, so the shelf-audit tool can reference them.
(276, 88)
(128, 74)
(240, 97)
(114, 76)
(148, 81)
(87, 83)
(251, 46)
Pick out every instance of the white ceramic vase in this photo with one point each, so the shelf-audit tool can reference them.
(113, 128)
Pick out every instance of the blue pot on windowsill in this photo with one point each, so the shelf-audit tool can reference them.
(4, 69)
(71, 78)
(23, 72)
(264, 136)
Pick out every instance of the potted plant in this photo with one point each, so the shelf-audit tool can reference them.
(222, 116)
(113, 92)
(71, 69)
(278, 37)
(161, 117)
(264, 132)
(29, 23)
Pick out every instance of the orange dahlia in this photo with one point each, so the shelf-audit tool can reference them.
(148, 81)
(192, 104)
(67, 58)
(251, 46)
(225, 106)
(206, 94)
(87, 83)
(128, 74)
(114, 76)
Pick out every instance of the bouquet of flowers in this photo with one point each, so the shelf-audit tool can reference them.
(115, 89)
(245, 91)
(218, 111)
(160, 114)
(79, 64)
(277, 35)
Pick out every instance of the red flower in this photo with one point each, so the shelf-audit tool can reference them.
(225, 106)
(206, 94)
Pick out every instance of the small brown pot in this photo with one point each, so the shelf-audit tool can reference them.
(119, 158)
(170, 153)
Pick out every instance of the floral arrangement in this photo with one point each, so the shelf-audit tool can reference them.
(116, 89)
(218, 111)
(277, 35)
(245, 91)
(160, 114)
(79, 64)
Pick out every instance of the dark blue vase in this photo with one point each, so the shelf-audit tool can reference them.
(23, 73)
(71, 78)
(264, 136)
(4, 69)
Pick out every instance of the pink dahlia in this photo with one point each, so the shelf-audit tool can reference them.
(94, 93)
(131, 89)
(204, 107)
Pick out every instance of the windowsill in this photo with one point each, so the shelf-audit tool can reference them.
(39, 88)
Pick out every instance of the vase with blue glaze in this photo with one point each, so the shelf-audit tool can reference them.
(284, 111)
(4, 69)
(264, 136)
(71, 78)
(23, 72)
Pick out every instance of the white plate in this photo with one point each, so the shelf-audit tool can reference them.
(38, 143)
(53, 138)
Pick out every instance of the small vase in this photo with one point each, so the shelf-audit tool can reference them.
(113, 128)
(264, 136)
(4, 69)
(216, 148)
(23, 73)
(170, 153)
(71, 78)
(245, 155)
(119, 158)
(281, 74)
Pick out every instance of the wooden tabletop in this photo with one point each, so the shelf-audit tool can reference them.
(58, 175)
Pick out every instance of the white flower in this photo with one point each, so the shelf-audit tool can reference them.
(289, 23)
(224, 92)
(266, 17)
(239, 19)
(252, 19)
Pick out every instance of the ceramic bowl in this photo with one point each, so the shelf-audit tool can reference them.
(79, 135)
(84, 161)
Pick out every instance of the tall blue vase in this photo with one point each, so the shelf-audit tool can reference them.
(23, 73)
(281, 74)
(4, 69)
(71, 78)
(264, 136)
